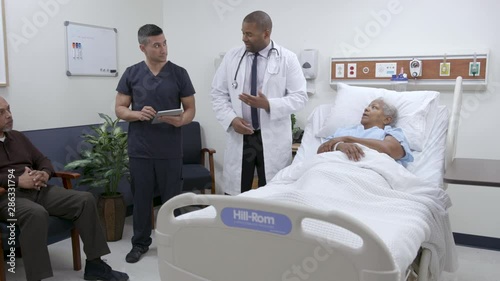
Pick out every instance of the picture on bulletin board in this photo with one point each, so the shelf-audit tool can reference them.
(4, 77)
(90, 50)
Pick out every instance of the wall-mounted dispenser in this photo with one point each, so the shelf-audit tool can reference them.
(218, 60)
(308, 59)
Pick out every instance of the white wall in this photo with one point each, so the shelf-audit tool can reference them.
(197, 31)
(40, 93)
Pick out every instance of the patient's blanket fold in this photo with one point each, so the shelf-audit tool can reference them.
(403, 210)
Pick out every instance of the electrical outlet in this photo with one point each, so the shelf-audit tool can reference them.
(444, 69)
(339, 70)
(474, 68)
(351, 70)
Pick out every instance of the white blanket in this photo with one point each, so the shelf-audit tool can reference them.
(404, 211)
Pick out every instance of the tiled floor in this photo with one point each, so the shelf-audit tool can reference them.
(475, 264)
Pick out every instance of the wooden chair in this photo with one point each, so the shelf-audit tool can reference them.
(59, 229)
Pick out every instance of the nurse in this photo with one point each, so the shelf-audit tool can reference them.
(255, 90)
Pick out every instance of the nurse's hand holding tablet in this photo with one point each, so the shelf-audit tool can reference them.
(171, 116)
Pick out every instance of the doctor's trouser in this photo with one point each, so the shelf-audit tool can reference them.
(146, 175)
(32, 212)
(253, 158)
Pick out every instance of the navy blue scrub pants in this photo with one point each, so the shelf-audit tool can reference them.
(146, 175)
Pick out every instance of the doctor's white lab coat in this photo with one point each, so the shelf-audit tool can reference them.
(286, 92)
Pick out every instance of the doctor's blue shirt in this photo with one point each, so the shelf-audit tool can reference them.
(359, 131)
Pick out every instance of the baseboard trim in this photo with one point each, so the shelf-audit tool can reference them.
(482, 242)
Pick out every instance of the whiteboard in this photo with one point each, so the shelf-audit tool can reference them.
(90, 50)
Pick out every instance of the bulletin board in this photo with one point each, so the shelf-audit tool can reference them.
(90, 50)
(4, 77)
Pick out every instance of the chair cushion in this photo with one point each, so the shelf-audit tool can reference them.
(59, 229)
(196, 177)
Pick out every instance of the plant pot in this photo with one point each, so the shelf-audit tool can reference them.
(112, 212)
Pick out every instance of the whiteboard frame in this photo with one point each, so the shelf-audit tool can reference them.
(4, 77)
(67, 43)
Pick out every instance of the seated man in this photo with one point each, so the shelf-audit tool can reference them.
(375, 132)
(27, 170)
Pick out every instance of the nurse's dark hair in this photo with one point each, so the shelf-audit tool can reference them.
(262, 19)
(148, 30)
(389, 110)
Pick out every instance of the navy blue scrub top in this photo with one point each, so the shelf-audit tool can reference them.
(163, 91)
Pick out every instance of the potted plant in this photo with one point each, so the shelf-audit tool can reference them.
(103, 166)
(297, 132)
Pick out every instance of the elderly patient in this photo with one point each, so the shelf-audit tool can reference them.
(23, 167)
(375, 132)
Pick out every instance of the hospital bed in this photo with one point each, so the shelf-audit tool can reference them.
(299, 227)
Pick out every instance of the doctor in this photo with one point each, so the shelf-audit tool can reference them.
(255, 90)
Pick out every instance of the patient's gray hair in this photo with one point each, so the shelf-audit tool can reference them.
(389, 110)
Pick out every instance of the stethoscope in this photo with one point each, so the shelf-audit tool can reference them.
(274, 70)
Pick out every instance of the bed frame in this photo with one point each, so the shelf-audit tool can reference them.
(190, 250)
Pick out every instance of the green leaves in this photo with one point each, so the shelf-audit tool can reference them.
(106, 163)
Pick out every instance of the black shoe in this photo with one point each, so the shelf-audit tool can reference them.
(99, 270)
(136, 253)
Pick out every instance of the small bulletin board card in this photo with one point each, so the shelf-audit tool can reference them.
(90, 50)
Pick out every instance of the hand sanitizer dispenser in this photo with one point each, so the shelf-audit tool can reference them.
(308, 59)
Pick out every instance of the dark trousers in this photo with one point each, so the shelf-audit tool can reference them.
(146, 175)
(32, 212)
(253, 157)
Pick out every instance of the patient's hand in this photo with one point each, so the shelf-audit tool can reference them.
(353, 151)
(326, 146)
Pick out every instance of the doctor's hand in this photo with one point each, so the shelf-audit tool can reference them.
(259, 101)
(147, 113)
(241, 126)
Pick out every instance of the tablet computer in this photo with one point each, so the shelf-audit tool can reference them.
(172, 112)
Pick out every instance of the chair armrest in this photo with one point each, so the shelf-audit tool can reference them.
(210, 152)
(66, 175)
(66, 178)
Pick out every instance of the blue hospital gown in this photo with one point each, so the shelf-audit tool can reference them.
(359, 131)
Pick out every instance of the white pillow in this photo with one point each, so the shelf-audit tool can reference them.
(416, 111)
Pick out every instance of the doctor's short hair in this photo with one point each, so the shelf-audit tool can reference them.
(389, 110)
(262, 19)
(146, 31)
